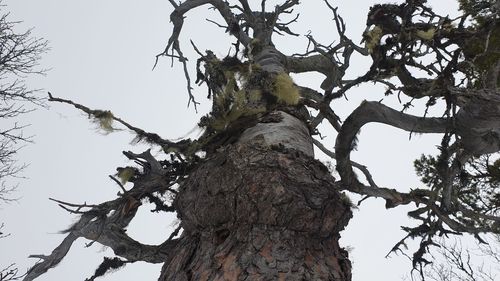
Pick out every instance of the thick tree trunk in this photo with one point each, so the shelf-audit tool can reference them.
(261, 209)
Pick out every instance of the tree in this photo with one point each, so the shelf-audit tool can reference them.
(19, 56)
(255, 202)
(460, 264)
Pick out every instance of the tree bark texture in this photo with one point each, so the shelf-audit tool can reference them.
(260, 211)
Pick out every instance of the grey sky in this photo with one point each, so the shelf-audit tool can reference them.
(102, 55)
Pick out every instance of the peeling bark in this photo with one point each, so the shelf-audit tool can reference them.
(290, 132)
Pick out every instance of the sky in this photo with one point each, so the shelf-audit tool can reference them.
(102, 54)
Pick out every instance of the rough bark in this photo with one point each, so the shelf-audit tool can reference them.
(260, 211)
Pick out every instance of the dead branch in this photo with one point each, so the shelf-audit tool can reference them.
(105, 223)
(141, 134)
(177, 19)
(360, 167)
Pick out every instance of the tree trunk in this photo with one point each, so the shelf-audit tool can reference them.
(261, 209)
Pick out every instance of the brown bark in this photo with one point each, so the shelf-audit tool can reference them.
(259, 212)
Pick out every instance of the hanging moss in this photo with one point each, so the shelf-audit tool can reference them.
(255, 95)
(254, 67)
(347, 201)
(427, 34)
(372, 38)
(254, 47)
(285, 90)
(239, 108)
(195, 147)
(125, 174)
(104, 119)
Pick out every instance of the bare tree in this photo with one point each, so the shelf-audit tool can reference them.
(19, 57)
(253, 202)
(464, 264)
(10, 273)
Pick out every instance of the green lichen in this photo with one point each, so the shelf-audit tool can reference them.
(255, 47)
(255, 95)
(125, 174)
(238, 109)
(104, 119)
(195, 146)
(372, 38)
(426, 35)
(285, 90)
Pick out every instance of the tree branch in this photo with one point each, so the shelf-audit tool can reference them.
(361, 167)
(99, 115)
(106, 223)
(376, 112)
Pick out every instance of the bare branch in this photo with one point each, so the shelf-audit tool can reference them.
(10, 273)
(20, 54)
(105, 223)
(361, 167)
(375, 112)
(141, 134)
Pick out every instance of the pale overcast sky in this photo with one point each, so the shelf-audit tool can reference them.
(102, 53)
